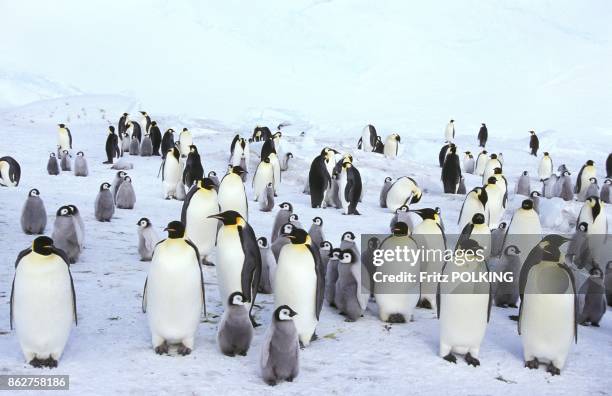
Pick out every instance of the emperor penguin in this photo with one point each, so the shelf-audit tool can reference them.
(239, 150)
(325, 248)
(43, 302)
(212, 175)
(146, 146)
(280, 350)
(65, 234)
(524, 230)
(402, 214)
(174, 295)
(66, 162)
(481, 162)
(587, 172)
(316, 231)
(350, 188)
(497, 239)
(443, 152)
(300, 283)
(171, 173)
(490, 166)
(33, 214)
(235, 329)
(147, 239)
(112, 145)
(119, 176)
(284, 161)
(404, 191)
(476, 201)
(535, 197)
(80, 224)
(523, 185)
(261, 134)
(145, 121)
(167, 142)
(545, 169)
(125, 143)
(264, 174)
(201, 201)
(282, 239)
(396, 301)
(319, 176)
(478, 231)
(483, 135)
(392, 145)
(593, 213)
(464, 307)
(194, 170)
(534, 143)
(576, 245)
(367, 142)
(379, 148)
(266, 201)
(52, 165)
(232, 194)
(548, 311)
(331, 276)
(105, 204)
(507, 291)
(126, 197)
(349, 298)
(495, 201)
(469, 164)
(268, 266)
(295, 220)
(134, 130)
(64, 137)
(451, 172)
(156, 137)
(134, 146)
(594, 293)
(238, 259)
(121, 125)
(282, 217)
(80, 165)
(449, 131)
(185, 142)
(604, 194)
(593, 189)
(429, 236)
(384, 191)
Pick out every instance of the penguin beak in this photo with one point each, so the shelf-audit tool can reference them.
(291, 237)
(292, 314)
(216, 216)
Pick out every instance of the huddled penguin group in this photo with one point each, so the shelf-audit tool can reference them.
(301, 269)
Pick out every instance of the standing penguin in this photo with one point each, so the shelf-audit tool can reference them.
(319, 177)
(384, 191)
(604, 194)
(592, 189)
(349, 298)
(122, 124)
(566, 191)
(325, 248)
(146, 146)
(481, 162)
(266, 200)
(489, 170)
(284, 163)
(64, 137)
(79, 224)
(232, 194)
(548, 311)
(534, 143)
(464, 308)
(316, 231)
(136, 132)
(167, 142)
(193, 167)
(238, 258)
(239, 152)
(451, 172)
(300, 282)
(235, 330)
(65, 162)
(524, 230)
(545, 169)
(80, 165)
(147, 239)
(105, 204)
(392, 145)
(117, 183)
(476, 201)
(495, 202)
(483, 135)
(282, 239)
(125, 143)
(268, 266)
(156, 137)
(443, 151)
(52, 165)
(264, 175)
(280, 350)
(404, 191)
(65, 234)
(134, 146)
(523, 184)
(331, 276)
(593, 291)
(112, 146)
(535, 197)
(507, 292)
(33, 214)
(367, 141)
(478, 231)
(282, 217)
(402, 214)
(185, 142)
(350, 188)
(201, 202)
(498, 235)
(449, 131)
(171, 173)
(174, 296)
(126, 197)
(42, 297)
(145, 121)
(469, 164)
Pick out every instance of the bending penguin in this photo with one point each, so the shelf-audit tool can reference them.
(404, 191)
(10, 172)
(392, 144)
(367, 141)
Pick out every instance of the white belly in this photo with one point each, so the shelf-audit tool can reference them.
(230, 259)
(263, 176)
(185, 141)
(63, 139)
(463, 321)
(545, 169)
(174, 296)
(232, 195)
(201, 230)
(390, 149)
(4, 174)
(470, 208)
(524, 232)
(399, 193)
(480, 164)
(277, 171)
(295, 285)
(495, 204)
(172, 175)
(42, 306)
(341, 190)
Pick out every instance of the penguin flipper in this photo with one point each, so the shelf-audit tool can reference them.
(186, 201)
(197, 253)
(533, 258)
(144, 296)
(64, 257)
(320, 294)
(572, 279)
(251, 267)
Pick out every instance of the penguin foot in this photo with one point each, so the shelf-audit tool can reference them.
(532, 364)
(585, 323)
(514, 317)
(396, 318)
(162, 349)
(289, 379)
(595, 324)
(107, 162)
(50, 362)
(450, 358)
(472, 361)
(242, 353)
(553, 370)
(314, 337)
(36, 362)
(501, 305)
(302, 346)
(208, 263)
(183, 350)
(349, 320)
(271, 382)
(512, 305)
(333, 305)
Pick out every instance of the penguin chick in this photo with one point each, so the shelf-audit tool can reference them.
(266, 199)
(523, 186)
(594, 299)
(33, 214)
(497, 239)
(146, 146)
(147, 239)
(134, 146)
(80, 165)
(66, 163)
(65, 234)
(280, 350)
(53, 167)
(331, 276)
(316, 231)
(235, 330)
(104, 205)
(348, 297)
(126, 197)
(268, 266)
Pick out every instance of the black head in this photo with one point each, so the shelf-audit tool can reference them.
(512, 250)
(348, 236)
(326, 245)
(153, 123)
(228, 218)
(43, 245)
(335, 254)
(478, 218)
(61, 125)
(121, 174)
(175, 229)
(64, 211)
(105, 186)
(127, 179)
(284, 312)
(111, 128)
(398, 138)
(373, 243)
(299, 236)
(402, 209)
(52, 155)
(452, 121)
(550, 246)
(524, 173)
(193, 149)
(502, 225)
(294, 217)
(286, 229)
(546, 153)
(212, 174)
(535, 193)
(262, 242)
(532, 132)
(347, 256)
(590, 163)
(125, 114)
(236, 299)
(34, 193)
(144, 222)
(266, 160)
(527, 204)
(143, 112)
(185, 129)
(206, 184)
(400, 229)
(318, 221)
(491, 180)
(388, 179)
(427, 213)
(596, 272)
(286, 206)
(493, 156)
(497, 171)
(238, 170)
